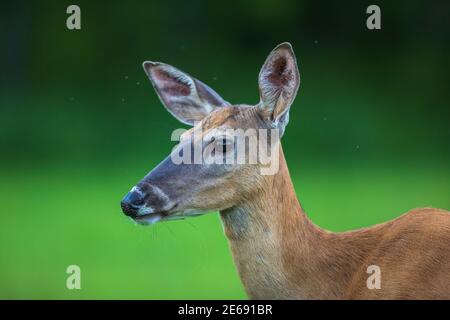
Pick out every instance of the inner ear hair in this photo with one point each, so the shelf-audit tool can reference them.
(278, 81)
(185, 97)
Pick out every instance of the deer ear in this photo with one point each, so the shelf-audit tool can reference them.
(185, 97)
(278, 81)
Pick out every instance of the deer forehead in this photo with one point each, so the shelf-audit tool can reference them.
(221, 119)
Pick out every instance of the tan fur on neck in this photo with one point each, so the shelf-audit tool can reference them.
(281, 254)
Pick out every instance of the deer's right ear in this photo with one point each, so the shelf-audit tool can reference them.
(185, 97)
(279, 80)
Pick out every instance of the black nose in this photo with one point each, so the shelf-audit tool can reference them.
(132, 202)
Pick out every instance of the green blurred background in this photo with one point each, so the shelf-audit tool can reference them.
(368, 137)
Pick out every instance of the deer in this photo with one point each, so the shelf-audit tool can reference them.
(278, 251)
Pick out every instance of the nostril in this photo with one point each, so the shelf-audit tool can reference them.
(132, 202)
(135, 199)
(127, 209)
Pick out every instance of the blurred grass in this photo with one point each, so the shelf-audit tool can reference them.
(70, 215)
(360, 152)
(355, 160)
(80, 124)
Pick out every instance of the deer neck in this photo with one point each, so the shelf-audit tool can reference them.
(277, 250)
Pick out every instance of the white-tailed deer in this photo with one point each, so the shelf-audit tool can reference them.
(278, 251)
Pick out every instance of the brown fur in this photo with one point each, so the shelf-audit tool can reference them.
(281, 254)
(278, 251)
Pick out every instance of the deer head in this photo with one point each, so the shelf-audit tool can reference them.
(175, 190)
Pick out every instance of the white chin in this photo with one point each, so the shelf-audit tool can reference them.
(156, 217)
(148, 219)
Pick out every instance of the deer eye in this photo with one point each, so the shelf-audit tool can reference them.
(223, 144)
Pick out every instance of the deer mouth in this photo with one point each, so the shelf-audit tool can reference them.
(148, 219)
(154, 217)
(169, 215)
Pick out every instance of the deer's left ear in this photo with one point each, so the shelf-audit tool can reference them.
(278, 81)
